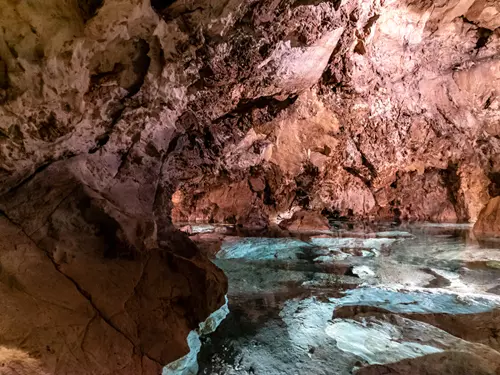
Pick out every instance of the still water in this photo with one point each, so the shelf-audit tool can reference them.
(366, 300)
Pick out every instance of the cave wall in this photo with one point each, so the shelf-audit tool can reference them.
(117, 116)
(400, 125)
(328, 105)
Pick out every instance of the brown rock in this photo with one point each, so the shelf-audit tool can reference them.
(305, 221)
(258, 184)
(447, 363)
(488, 222)
(124, 279)
(118, 116)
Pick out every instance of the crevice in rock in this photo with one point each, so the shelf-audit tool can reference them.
(124, 156)
(305, 182)
(273, 105)
(488, 102)
(357, 174)
(102, 139)
(494, 186)
(451, 180)
(27, 179)
(367, 164)
(88, 8)
(4, 77)
(297, 3)
(268, 197)
(483, 36)
(164, 9)
(50, 129)
(140, 66)
(369, 24)
(160, 5)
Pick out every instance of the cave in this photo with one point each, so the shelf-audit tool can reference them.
(249, 187)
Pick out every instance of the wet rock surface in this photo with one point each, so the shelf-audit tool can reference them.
(306, 221)
(414, 300)
(488, 223)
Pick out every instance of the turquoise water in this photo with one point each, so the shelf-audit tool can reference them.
(283, 292)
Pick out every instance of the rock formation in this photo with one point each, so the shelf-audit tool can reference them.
(401, 124)
(488, 223)
(117, 116)
(305, 221)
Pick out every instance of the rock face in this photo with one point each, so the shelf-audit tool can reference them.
(488, 223)
(305, 221)
(117, 116)
(401, 124)
(251, 108)
(93, 300)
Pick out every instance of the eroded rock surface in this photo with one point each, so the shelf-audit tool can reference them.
(249, 109)
(488, 223)
(306, 221)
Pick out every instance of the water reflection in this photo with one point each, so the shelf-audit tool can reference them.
(300, 304)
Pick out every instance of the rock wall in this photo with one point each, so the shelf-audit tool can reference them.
(399, 126)
(113, 112)
(488, 223)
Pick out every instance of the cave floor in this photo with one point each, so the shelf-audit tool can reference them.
(416, 299)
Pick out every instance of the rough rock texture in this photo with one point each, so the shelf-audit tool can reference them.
(251, 108)
(113, 112)
(448, 363)
(305, 221)
(402, 124)
(488, 223)
(90, 301)
(366, 109)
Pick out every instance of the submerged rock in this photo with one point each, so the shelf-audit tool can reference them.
(447, 363)
(294, 314)
(257, 248)
(188, 365)
(401, 341)
(376, 342)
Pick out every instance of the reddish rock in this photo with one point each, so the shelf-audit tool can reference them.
(488, 222)
(305, 221)
(257, 184)
(447, 363)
